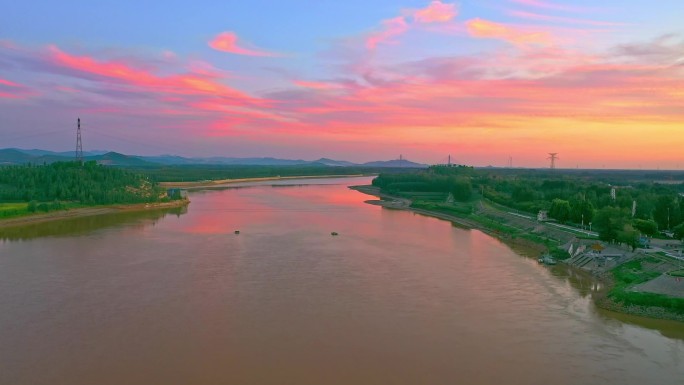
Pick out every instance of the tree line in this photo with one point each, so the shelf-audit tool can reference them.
(618, 212)
(47, 187)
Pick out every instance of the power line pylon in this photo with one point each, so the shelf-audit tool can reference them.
(553, 156)
(79, 143)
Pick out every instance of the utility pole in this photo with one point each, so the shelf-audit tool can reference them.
(449, 164)
(79, 143)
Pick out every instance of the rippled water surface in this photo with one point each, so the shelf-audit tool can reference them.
(397, 298)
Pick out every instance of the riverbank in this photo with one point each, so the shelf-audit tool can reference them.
(88, 211)
(523, 246)
(227, 182)
(530, 247)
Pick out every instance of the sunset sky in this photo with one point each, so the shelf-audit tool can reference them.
(599, 82)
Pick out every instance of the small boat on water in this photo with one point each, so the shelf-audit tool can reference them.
(547, 259)
(237, 231)
(334, 233)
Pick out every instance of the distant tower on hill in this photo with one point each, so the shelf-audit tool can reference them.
(79, 143)
(553, 156)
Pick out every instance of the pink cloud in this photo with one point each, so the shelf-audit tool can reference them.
(184, 84)
(8, 83)
(12, 90)
(515, 35)
(391, 28)
(502, 93)
(228, 42)
(436, 12)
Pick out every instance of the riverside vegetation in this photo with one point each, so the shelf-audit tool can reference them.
(568, 198)
(202, 172)
(639, 208)
(29, 189)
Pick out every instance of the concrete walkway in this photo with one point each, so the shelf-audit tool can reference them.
(665, 284)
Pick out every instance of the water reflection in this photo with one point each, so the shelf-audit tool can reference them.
(84, 225)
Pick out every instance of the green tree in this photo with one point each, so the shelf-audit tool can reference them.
(629, 236)
(581, 211)
(560, 210)
(609, 221)
(523, 194)
(462, 189)
(679, 232)
(666, 211)
(647, 227)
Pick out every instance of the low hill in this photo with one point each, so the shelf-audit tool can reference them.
(397, 163)
(14, 156)
(35, 156)
(117, 159)
(335, 163)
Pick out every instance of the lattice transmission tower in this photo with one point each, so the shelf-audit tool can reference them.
(554, 157)
(79, 143)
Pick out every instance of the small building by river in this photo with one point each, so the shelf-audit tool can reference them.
(176, 193)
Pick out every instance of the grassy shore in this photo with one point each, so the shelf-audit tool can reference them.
(30, 218)
(622, 293)
(11, 210)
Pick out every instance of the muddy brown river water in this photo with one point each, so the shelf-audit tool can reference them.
(176, 297)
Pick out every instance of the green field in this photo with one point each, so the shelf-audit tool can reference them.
(9, 210)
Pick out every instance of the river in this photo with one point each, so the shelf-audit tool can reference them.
(177, 297)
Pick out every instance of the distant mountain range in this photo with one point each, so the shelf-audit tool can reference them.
(20, 156)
